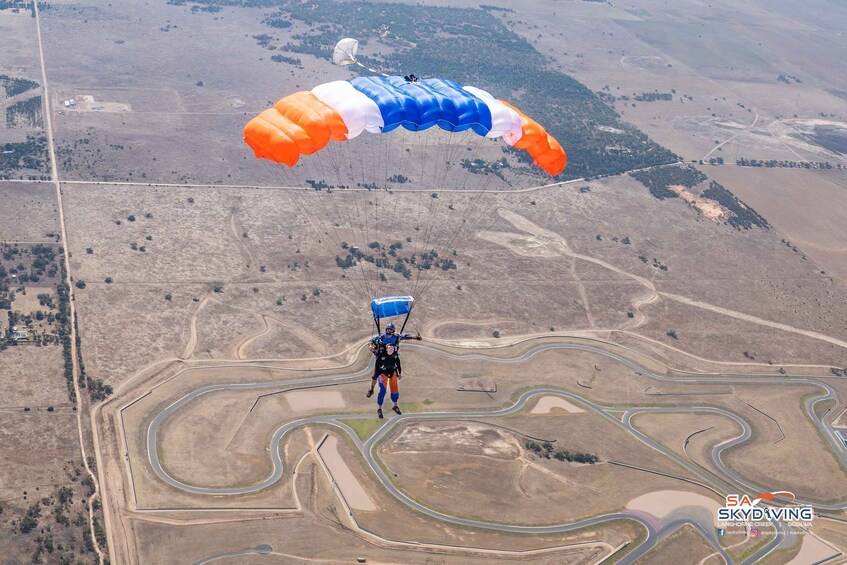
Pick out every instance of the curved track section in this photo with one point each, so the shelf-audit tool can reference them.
(731, 480)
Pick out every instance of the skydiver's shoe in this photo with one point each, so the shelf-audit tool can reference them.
(397, 410)
(379, 413)
(370, 393)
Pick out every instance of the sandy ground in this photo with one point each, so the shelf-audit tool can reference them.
(708, 208)
(301, 401)
(549, 403)
(662, 502)
(812, 550)
(351, 489)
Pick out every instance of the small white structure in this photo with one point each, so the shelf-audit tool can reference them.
(20, 335)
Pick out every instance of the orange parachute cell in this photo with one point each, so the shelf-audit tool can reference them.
(543, 147)
(298, 124)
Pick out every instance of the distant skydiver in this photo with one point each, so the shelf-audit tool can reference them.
(388, 372)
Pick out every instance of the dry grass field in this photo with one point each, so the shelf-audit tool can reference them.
(261, 306)
(32, 377)
(490, 475)
(29, 212)
(808, 207)
(686, 545)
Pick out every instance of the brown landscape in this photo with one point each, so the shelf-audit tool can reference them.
(604, 356)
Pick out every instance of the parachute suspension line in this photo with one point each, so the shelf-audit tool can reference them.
(360, 221)
(372, 70)
(468, 224)
(437, 231)
(339, 221)
(419, 241)
(300, 197)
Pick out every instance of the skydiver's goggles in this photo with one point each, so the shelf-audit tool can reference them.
(389, 330)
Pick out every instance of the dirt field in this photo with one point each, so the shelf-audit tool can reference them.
(29, 211)
(799, 438)
(451, 465)
(32, 377)
(683, 546)
(351, 489)
(549, 404)
(807, 207)
(813, 550)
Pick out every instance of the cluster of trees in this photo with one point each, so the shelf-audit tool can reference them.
(546, 450)
(288, 60)
(97, 389)
(658, 180)
(41, 260)
(10, 85)
(29, 155)
(788, 79)
(391, 259)
(26, 113)
(398, 179)
(740, 215)
(773, 163)
(654, 96)
(656, 263)
(60, 539)
(483, 167)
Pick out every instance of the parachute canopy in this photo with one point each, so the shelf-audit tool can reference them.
(389, 306)
(304, 122)
(345, 52)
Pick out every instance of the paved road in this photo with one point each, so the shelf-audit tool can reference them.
(731, 481)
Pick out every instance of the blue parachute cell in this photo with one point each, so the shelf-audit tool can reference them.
(420, 105)
(471, 112)
(389, 306)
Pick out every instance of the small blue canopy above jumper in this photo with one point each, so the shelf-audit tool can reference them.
(389, 306)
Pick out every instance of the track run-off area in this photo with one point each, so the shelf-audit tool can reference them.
(728, 480)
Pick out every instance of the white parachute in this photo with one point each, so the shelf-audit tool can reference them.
(345, 52)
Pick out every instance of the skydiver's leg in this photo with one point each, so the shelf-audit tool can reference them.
(380, 398)
(395, 392)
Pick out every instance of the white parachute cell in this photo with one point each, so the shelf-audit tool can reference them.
(505, 122)
(345, 52)
(359, 112)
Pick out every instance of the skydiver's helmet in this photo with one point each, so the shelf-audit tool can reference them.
(389, 328)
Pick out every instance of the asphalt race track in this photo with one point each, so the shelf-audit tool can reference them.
(730, 482)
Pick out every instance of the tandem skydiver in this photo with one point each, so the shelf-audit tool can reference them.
(388, 373)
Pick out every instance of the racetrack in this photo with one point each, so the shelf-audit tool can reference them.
(729, 482)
